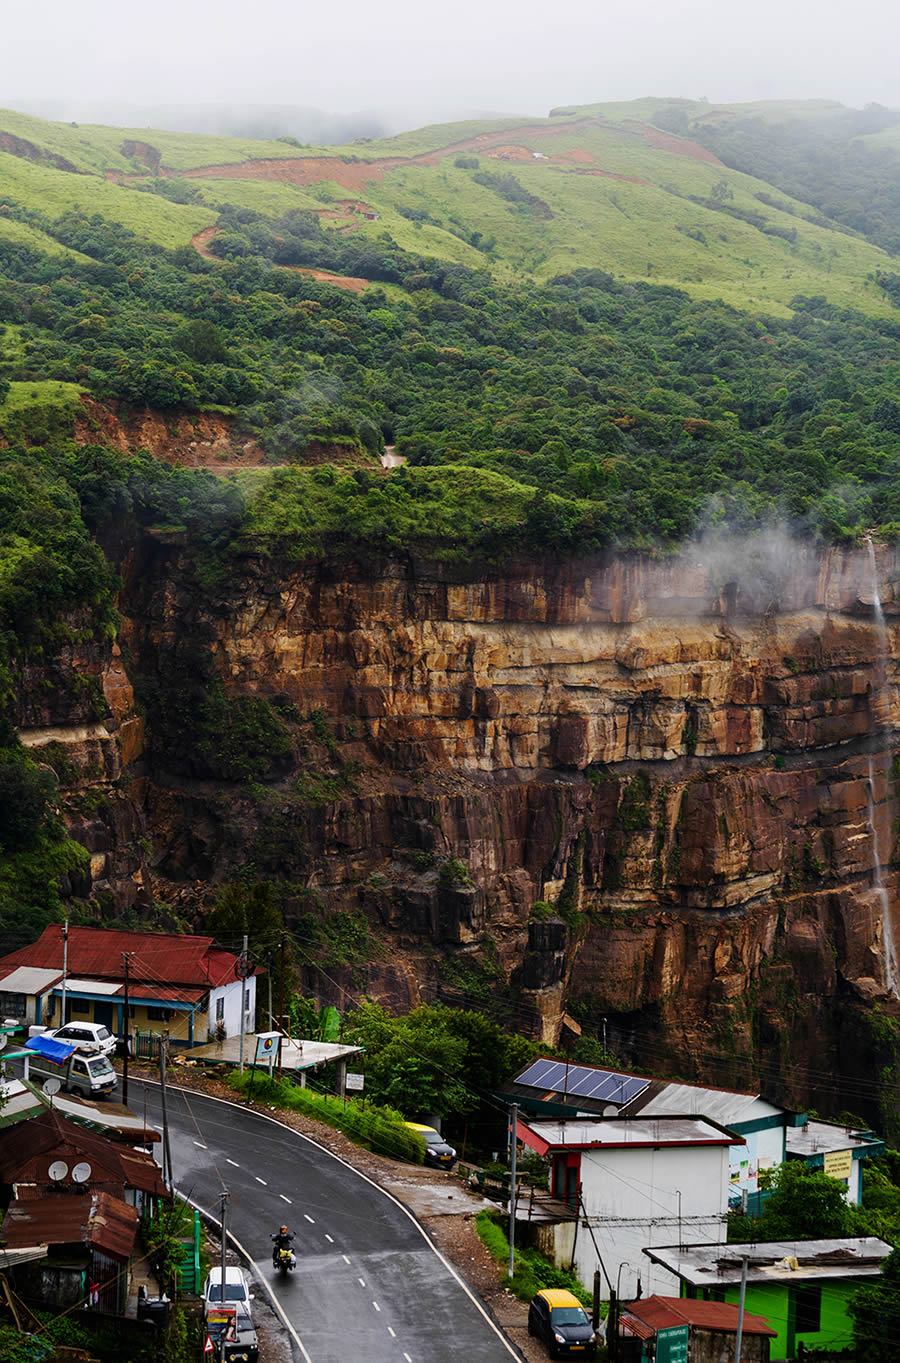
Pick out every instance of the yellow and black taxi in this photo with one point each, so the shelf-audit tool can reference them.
(558, 1318)
(437, 1151)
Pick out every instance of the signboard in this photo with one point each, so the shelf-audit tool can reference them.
(267, 1046)
(355, 1083)
(838, 1163)
(672, 1344)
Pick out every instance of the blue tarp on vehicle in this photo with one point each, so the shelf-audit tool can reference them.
(50, 1049)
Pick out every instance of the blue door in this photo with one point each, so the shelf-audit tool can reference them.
(103, 1015)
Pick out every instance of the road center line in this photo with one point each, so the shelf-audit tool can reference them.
(407, 1357)
(345, 1259)
(309, 1218)
(201, 1145)
(285, 1199)
(234, 1162)
(391, 1332)
(262, 1181)
(361, 1281)
(375, 1304)
(329, 1239)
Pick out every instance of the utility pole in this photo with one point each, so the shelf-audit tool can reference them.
(126, 957)
(167, 1152)
(243, 1001)
(280, 1001)
(740, 1325)
(512, 1188)
(224, 1202)
(62, 1020)
(269, 973)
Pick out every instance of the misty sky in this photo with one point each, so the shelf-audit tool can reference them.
(520, 57)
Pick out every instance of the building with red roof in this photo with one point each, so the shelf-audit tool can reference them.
(711, 1325)
(186, 985)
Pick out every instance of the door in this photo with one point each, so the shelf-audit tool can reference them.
(103, 1015)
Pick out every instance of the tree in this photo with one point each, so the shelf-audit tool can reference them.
(249, 909)
(804, 1204)
(875, 1312)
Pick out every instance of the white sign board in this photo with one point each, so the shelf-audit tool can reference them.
(355, 1083)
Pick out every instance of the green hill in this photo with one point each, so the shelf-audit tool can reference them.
(600, 187)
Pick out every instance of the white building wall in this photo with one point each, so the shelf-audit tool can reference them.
(631, 1200)
(230, 993)
(763, 1150)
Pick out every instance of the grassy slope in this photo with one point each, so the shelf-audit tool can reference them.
(54, 192)
(23, 235)
(634, 231)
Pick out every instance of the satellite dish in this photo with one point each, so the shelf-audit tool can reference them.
(3, 1040)
(81, 1173)
(58, 1170)
(51, 1086)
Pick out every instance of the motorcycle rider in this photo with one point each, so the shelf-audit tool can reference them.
(282, 1239)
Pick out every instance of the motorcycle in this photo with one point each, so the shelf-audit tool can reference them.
(285, 1261)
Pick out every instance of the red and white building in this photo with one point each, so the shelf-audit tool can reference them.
(186, 985)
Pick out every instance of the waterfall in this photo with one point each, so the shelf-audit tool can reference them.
(891, 971)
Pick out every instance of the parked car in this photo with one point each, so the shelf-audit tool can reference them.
(229, 1323)
(558, 1318)
(437, 1151)
(90, 1037)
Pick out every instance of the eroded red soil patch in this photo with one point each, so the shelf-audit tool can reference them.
(679, 146)
(188, 440)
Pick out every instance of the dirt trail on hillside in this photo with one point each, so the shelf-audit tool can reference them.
(352, 283)
(354, 175)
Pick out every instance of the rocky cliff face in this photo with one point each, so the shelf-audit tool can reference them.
(638, 790)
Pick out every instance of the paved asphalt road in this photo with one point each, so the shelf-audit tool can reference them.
(368, 1287)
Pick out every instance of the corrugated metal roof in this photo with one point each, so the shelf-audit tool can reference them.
(96, 953)
(821, 1138)
(74, 986)
(656, 1097)
(606, 1133)
(720, 1265)
(51, 1135)
(111, 1119)
(29, 979)
(94, 1219)
(660, 1312)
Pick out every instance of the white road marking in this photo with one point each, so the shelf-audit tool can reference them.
(361, 1281)
(329, 1239)
(234, 1162)
(285, 1199)
(375, 1304)
(262, 1181)
(309, 1218)
(407, 1357)
(345, 1259)
(155, 1127)
(200, 1144)
(391, 1332)
(350, 1169)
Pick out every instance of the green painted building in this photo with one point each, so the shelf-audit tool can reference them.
(801, 1287)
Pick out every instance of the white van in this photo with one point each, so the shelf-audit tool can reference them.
(89, 1076)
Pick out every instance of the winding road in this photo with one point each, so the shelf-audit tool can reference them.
(369, 1284)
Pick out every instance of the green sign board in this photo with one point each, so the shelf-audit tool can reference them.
(672, 1344)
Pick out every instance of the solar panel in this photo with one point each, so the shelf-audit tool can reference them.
(581, 1082)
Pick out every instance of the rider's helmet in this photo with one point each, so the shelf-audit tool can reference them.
(284, 1230)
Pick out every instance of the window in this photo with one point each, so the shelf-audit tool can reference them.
(12, 1005)
(220, 1008)
(79, 1005)
(808, 1308)
(158, 1014)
